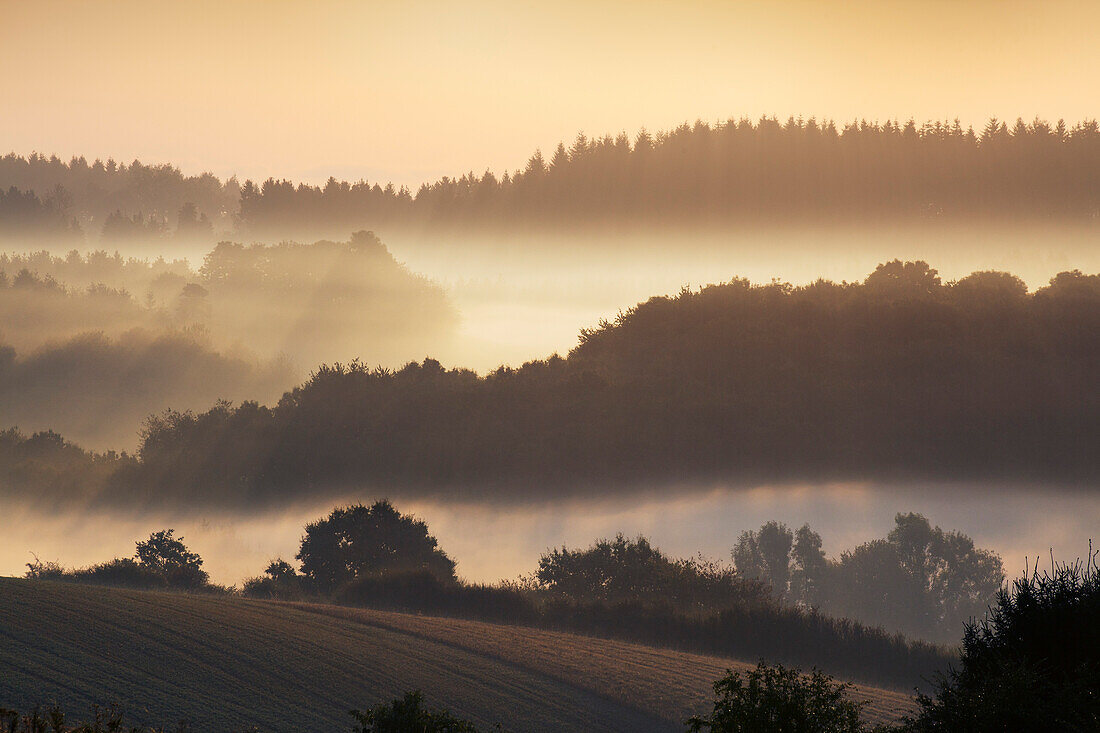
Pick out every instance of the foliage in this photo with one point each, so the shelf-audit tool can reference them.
(107, 719)
(408, 715)
(162, 561)
(897, 377)
(1032, 664)
(780, 700)
(894, 378)
(421, 591)
(735, 171)
(405, 714)
(355, 541)
(162, 553)
(280, 581)
(23, 213)
(919, 579)
(91, 192)
(764, 555)
(633, 570)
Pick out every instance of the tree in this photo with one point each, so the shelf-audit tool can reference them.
(193, 224)
(357, 540)
(163, 553)
(280, 580)
(780, 700)
(920, 580)
(808, 567)
(766, 555)
(622, 569)
(904, 280)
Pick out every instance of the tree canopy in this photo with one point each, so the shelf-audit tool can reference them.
(357, 541)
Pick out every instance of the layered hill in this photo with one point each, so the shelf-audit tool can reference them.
(229, 663)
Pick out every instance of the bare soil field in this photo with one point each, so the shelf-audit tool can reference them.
(226, 664)
(667, 684)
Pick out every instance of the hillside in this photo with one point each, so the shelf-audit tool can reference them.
(225, 663)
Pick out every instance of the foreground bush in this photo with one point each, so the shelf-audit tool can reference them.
(779, 700)
(408, 715)
(53, 720)
(1032, 665)
(405, 714)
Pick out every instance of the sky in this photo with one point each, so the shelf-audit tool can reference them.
(411, 91)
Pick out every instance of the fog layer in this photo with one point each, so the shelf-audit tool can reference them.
(493, 542)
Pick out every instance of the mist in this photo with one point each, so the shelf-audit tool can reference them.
(524, 298)
(494, 542)
(755, 330)
(98, 391)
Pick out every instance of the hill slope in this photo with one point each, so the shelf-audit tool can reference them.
(227, 663)
(665, 683)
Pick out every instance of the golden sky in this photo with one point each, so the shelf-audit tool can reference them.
(408, 91)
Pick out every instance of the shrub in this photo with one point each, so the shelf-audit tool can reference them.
(780, 700)
(48, 570)
(634, 570)
(279, 582)
(162, 561)
(424, 591)
(408, 715)
(1032, 664)
(124, 573)
(107, 719)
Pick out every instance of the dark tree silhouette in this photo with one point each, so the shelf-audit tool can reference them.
(356, 541)
(166, 555)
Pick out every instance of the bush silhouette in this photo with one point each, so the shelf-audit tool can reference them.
(625, 569)
(162, 561)
(1032, 664)
(408, 715)
(779, 700)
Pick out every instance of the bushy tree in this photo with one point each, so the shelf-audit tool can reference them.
(779, 700)
(280, 580)
(634, 570)
(358, 540)
(166, 555)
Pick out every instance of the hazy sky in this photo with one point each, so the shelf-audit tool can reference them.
(410, 91)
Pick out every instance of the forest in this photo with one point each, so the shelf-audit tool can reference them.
(90, 344)
(900, 377)
(734, 172)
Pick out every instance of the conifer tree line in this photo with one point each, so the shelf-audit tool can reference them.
(736, 171)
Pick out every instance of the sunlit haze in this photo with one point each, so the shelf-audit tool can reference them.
(402, 92)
